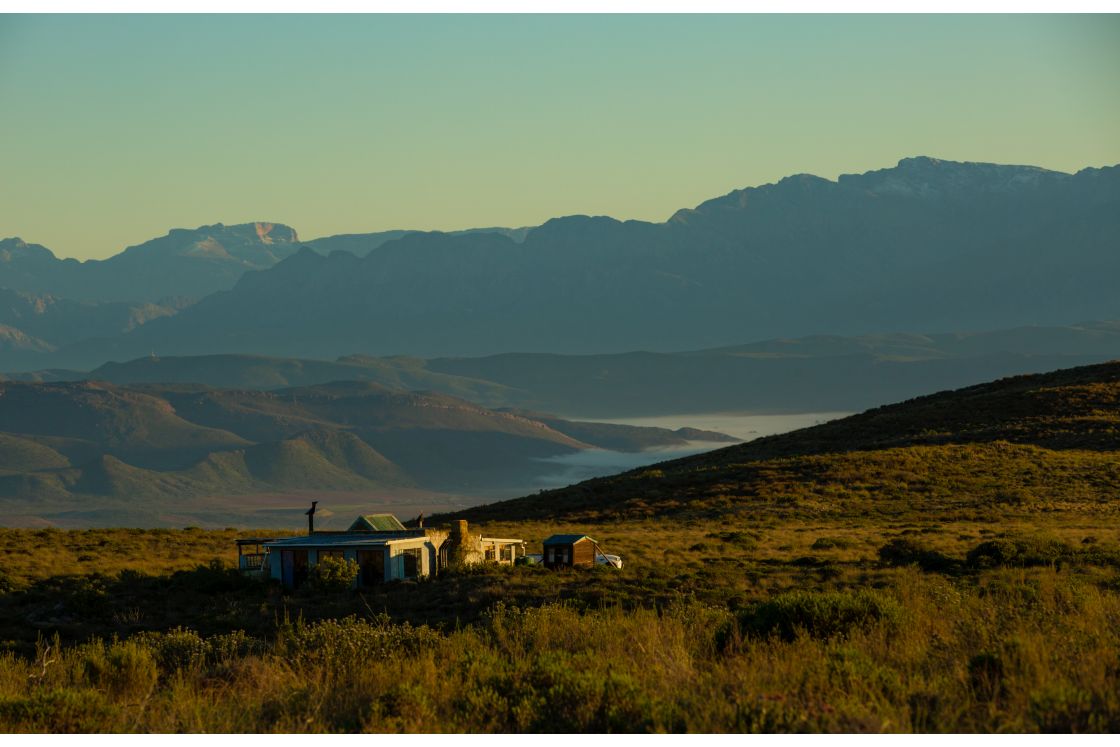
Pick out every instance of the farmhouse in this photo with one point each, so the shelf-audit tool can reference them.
(381, 556)
(383, 548)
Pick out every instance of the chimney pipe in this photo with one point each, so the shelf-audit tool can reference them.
(311, 517)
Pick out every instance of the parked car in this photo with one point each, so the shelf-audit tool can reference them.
(613, 561)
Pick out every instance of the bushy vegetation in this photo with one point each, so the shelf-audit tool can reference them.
(1039, 550)
(924, 653)
(820, 614)
(906, 551)
(332, 575)
(752, 636)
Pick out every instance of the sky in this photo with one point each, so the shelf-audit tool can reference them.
(114, 129)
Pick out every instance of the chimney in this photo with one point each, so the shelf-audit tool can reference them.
(461, 529)
(311, 517)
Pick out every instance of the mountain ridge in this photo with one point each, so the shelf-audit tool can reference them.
(927, 243)
(787, 259)
(811, 374)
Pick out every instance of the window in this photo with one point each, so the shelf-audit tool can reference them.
(507, 553)
(412, 562)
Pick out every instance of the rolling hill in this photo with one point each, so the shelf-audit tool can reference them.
(1019, 445)
(106, 453)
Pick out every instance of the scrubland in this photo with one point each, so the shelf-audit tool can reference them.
(943, 565)
(803, 627)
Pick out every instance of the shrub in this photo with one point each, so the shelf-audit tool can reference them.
(58, 711)
(351, 642)
(1021, 552)
(332, 575)
(820, 614)
(986, 675)
(123, 669)
(1064, 708)
(7, 583)
(903, 551)
(742, 540)
(178, 648)
(831, 543)
(212, 578)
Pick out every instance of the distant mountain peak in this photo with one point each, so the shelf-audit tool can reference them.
(925, 176)
(246, 245)
(16, 248)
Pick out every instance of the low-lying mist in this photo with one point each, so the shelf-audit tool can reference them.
(584, 465)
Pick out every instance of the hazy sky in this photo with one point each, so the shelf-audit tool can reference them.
(114, 129)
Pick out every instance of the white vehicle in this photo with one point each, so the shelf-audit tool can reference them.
(612, 560)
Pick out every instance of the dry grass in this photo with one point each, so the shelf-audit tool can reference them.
(665, 645)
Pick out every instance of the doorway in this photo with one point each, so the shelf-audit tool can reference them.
(293, 568)
(372, 566)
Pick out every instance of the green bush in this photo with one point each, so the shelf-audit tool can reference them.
(1062, 708)
(820, 614)
(122, 669)
(7, 583)
(1019, 551)
(178, 648)
(58, 711)
(332, 575)
(741, 540)
(351, 642)
(903, 551)
(831, 543)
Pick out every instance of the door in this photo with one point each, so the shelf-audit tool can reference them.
(372, 565)
(287, 566)
(293, 568)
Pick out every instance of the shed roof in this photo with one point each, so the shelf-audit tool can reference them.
(344, 540)
(565, 539)
(377, 523)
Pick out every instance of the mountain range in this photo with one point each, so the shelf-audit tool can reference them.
(184, 263)
(925, 245)
(810, 374)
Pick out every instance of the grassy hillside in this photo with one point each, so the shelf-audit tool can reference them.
(1034, 443)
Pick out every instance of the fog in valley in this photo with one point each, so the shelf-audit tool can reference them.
(583, 465)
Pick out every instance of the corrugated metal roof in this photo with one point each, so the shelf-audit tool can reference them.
(565, 539)
(377, 523)
(347, 540)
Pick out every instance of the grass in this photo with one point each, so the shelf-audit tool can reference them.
(761, 635)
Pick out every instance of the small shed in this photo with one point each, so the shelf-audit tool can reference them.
(569, 550)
